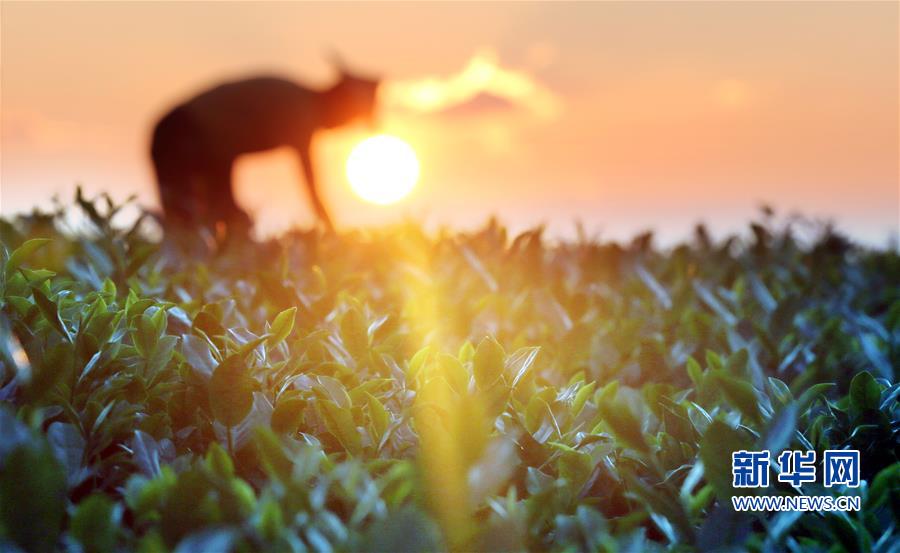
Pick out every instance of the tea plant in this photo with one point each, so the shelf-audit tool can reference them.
(389, 390)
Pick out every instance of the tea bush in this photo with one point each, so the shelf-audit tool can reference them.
(391, 390)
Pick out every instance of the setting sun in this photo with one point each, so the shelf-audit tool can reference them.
(382, 169)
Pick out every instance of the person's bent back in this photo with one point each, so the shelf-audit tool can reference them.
(194, 145)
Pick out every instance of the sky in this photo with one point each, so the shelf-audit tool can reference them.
(623, 116)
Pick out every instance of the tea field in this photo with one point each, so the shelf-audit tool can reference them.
(397, 390)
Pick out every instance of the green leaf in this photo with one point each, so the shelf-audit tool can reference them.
(520, 363)
(189, 506)
(416, 362)
(535, 412)
(32, 497)
(581, 397)
(271, 520)
(159, 320)
(626, 427)
(354, 333)
(36, 277)
(20, 254)
(737, 362)
(282, 326)
(466, 352)
(739, 393)
(68, 445)
(145, 496)
(146, 453)
(249, 346)
(781, 428)
(50, 311)
(231, 391)
(332, 389)
(713, 361)
(288, 415)
(203, 321)
(665, 510)
(814, 392)
(695, 372)
(49, 370)
(780, 390)
(339, 422)
(198, 355)
(488, 362)
(20, 304)
(865, 391)
(453, 372)
(145, 336)
(884, 484)
(381, 418)
(573, 465)
(271, 453)
(218, 462)
(95, 523)
(163, 353)
(109, 289)
(407, 529)
(716, 446)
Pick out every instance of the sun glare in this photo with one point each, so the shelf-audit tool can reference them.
(382, 169)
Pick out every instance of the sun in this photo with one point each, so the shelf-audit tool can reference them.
(382, 169)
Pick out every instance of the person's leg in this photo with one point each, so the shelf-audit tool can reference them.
(174, 187)
(173, 157)
(223, 208)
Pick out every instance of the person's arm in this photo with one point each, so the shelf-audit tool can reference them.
(311, 185)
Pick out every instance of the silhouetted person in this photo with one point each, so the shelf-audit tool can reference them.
(194, 145)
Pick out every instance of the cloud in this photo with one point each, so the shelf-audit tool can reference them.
(483, 102)
(482, 85)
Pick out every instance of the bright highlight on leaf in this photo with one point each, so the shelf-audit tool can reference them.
(382, 169)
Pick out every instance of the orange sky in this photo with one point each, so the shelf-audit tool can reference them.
(625, 116)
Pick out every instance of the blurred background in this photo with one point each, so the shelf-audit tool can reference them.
(623, 116)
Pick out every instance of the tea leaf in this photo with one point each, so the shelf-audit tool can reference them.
(20, 254)
(230, 391)
(354, 333)
(95, 523)
(488, 362)
(282, 326)
(50, 311)
(32, 497)
(865, 392)
(287, 416)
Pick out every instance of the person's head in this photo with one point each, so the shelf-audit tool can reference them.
(351, 98)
